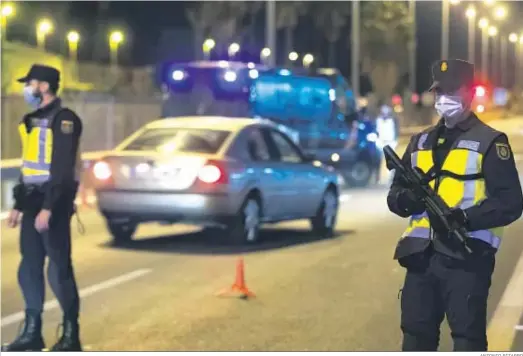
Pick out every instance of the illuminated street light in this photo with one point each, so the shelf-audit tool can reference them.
(115, 39)
(208, 46)
(454, 2)
(266, 52)
(492, 31)
(73, 38)
(513, 37)
(471, 12)
(483, 23)
(8, 11)
(233, 49)
(489, 2)
(308, 59)
(500, 13)
(44, 27)
(293, 56)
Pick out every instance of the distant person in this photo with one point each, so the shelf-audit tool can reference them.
(387, 126)
(44, 200)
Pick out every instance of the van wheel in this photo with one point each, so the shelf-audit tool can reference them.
(245, 227)
(122, 232)
(359, 174)
(324, 222)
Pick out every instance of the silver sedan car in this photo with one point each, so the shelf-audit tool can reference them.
(222, 173)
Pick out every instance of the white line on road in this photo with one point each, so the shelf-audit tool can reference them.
(53, 304)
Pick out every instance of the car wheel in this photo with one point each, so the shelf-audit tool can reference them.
(324, 222)
(245, 228)
(121, 232)
(359, 175)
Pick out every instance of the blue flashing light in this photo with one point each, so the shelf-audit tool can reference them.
(178, 75)
(284, 72)
(332, 95)
(253, 74)
(230, 76)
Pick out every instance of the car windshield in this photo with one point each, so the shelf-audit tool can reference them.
(178, 140)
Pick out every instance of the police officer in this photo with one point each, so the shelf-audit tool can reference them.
(45, 195)
(471, 167)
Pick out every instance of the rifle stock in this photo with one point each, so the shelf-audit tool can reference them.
(433, 202)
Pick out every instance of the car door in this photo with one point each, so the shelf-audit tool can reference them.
(260, 171)
(300, 182)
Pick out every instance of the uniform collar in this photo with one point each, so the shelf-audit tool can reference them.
(463, 126)
(43, 111)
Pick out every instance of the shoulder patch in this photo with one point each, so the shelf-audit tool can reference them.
(503, 151)
(469, 145)
(67, 126)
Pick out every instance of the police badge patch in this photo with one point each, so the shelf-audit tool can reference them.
(503, 151)
(67, 127)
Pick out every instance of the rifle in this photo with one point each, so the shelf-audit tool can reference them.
(433, 202)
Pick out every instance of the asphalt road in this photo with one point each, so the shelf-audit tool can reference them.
(331, 295)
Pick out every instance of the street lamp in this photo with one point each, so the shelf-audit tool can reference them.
(500, 13)
(492, 31)
(233, 49)
(307, 60)
(44, 27)
(8, 11)
(489, 2)
(445, 17)
(513, 38)
(208, 46)
(115, 39)
(471, 16)
(483, 25)
(265, 54)
(293, 56)
(73, 38)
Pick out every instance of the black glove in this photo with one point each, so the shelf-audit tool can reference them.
(408, 202)
(456, 217)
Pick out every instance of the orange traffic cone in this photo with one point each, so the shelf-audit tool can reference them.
(239, 288)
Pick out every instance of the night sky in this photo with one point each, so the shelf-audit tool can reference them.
(144, 22)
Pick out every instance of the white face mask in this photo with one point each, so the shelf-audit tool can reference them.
(450, 108)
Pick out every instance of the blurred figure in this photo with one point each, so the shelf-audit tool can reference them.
(387, 126)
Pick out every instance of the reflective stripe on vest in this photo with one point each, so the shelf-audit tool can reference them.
(36, 151)
(456, 193)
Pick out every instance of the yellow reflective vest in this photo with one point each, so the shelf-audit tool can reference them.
(37, 149)
(460, 182)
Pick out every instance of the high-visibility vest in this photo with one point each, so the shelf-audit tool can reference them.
(460, 182)
(37, 149)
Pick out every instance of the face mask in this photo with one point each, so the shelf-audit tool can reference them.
(450, 108)
(32, 97)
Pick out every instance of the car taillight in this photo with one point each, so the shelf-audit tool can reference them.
(213, 173)
(102, 171)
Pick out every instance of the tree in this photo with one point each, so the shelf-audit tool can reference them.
(288, 14)
(385, 35)
(220, 20)
(330, 17)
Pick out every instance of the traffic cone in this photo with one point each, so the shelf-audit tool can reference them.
(239, 288)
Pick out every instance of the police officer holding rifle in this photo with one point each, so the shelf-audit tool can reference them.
(459, 185)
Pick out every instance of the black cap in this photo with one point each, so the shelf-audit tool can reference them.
(450, 75)
(42, 73)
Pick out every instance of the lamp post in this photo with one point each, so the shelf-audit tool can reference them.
(513, 38)
(233, 49)
(483, 25)
(445, 17)
(355, 50)
(115, 40)
(207, 47)
(265, 56)
(73, 38)
(44, 27)
(492, 32)
(471, 16)
(293, 57)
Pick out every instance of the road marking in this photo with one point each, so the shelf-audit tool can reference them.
(504, 323)
(518, 327)
(85, 292)
(344, 197)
